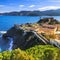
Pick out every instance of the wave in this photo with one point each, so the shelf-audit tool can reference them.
(3, 32)
(6, 44)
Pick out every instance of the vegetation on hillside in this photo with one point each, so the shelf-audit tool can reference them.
(46, 52)
(40, 52)
(16, 54)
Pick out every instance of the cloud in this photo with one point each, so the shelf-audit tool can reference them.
(54, 0)
(21, 5)
(49, 8)
(31, 6)
(2, 5)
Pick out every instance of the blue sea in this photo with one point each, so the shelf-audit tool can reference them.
(6, 22)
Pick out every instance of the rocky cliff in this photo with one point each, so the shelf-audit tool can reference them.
(22, 39)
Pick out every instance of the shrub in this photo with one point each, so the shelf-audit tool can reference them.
(6, 55)
(46, 52)
(17, 54)
(1, 56)
(39, 52)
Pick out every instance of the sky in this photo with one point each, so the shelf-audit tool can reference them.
(28, 5)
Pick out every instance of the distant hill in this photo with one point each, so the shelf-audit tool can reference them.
(34, 13)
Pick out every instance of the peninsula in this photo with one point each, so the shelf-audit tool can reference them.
(34, 41)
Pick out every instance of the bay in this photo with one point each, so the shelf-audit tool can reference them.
(7, 22)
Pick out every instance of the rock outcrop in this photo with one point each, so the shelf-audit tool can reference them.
(48, 21)
(21, 38)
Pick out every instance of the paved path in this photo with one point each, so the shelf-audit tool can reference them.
(51, 42)
(41, 37)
